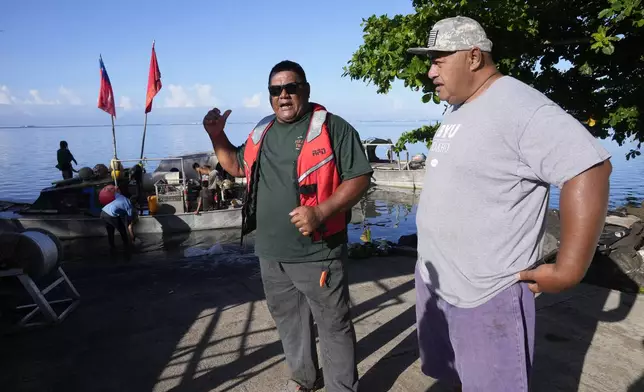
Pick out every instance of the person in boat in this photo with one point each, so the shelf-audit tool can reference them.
(482, 210)
(226, 184)
(301, 236)
(136, 175)
(210, 192)
(193, 196)
(223, 173)
(65, 159)
(120, 214)
(207, 175)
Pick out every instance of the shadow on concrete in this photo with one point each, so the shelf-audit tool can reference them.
(384, 374)
(564, 333)
(134, 322)
(639, 384)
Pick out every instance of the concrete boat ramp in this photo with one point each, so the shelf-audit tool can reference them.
(202, 325)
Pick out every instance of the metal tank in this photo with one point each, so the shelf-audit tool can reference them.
(35, 251)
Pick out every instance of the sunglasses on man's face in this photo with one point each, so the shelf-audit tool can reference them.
(291, 88)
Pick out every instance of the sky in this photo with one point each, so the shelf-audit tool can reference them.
(210, 53)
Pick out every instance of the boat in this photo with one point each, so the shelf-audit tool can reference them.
(70, 208)
(407, 174)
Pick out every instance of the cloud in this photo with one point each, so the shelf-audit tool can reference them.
(254, 101)
(126, 103)
(198, 95)
(5, 96)
(36, 99)
(69, 96)
(178, 98)
(204, 95)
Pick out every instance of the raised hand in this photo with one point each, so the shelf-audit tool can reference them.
(214, 122)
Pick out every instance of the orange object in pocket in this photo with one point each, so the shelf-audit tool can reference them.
(323, 276)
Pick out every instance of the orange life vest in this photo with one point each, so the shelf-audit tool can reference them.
(317, 172)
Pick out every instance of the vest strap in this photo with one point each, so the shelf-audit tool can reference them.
(315, 129)
(260, 128)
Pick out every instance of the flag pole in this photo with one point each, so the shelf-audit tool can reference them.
(113, 137)
(145, 125)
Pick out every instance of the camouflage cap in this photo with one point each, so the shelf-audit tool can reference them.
(453, 34)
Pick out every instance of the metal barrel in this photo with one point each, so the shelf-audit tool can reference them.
(36, 251)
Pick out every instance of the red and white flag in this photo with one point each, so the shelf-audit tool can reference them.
(106, 95)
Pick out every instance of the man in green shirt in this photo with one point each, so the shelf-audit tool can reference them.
(304, 280)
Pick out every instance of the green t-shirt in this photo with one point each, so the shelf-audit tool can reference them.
(276, 238)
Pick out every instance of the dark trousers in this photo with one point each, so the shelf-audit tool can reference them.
(67, 174)
(112, 223)
(207, 199)
(295, 299)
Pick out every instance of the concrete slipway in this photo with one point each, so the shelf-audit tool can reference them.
(179, 325)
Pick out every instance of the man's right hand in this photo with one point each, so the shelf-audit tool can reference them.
(214, 122)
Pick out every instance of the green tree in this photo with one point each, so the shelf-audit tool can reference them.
(601, 41)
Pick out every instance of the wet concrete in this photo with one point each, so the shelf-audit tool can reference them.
(201, 324)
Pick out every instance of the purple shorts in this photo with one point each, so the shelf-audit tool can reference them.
(486, 348)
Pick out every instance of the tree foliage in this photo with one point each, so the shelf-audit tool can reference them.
(586, 55)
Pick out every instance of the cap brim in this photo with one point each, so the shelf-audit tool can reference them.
(421, 51)
(427, 51)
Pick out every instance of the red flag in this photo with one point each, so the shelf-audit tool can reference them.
(154, 81)
(106, 95)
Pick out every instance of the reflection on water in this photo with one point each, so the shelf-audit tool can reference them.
(169, 245)
(233, 259)
(389, 214)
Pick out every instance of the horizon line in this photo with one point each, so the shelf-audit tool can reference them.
(30, 126)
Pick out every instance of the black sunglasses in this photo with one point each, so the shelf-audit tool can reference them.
(291, 88)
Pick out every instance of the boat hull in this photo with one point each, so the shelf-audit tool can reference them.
(407, 179)
(70, 227)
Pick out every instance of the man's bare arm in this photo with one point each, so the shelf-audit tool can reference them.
(346, 196)
(227, 154)
(583, 204)
(214, 123)
(307, 219)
